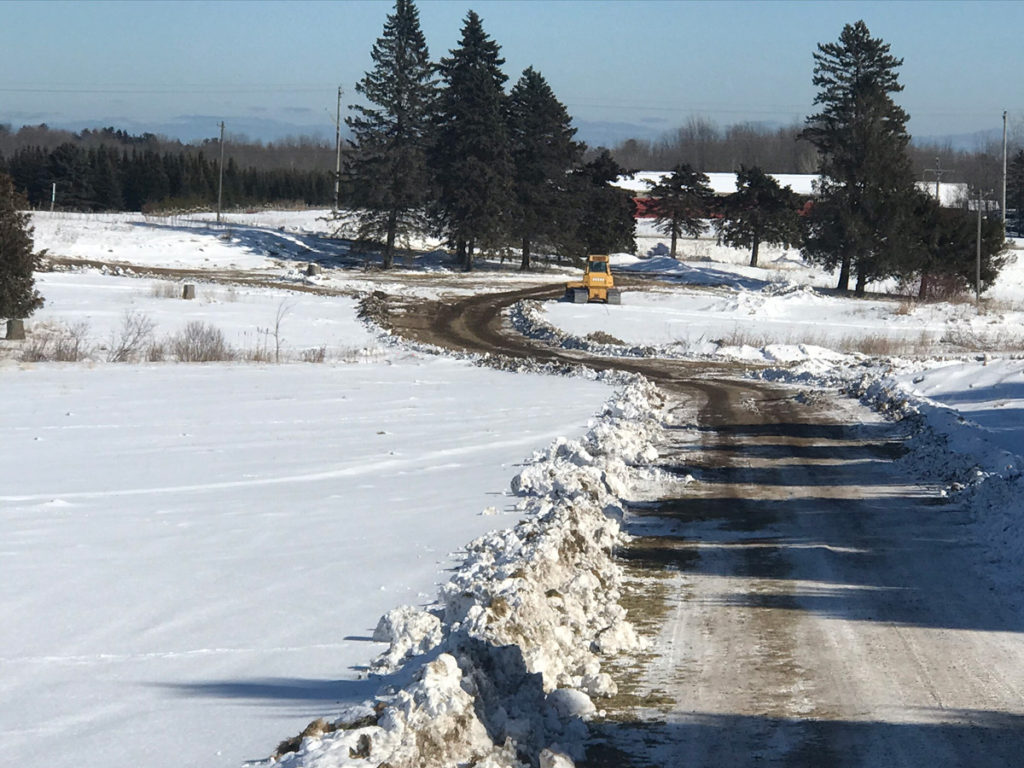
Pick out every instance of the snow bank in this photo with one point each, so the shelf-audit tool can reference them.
(946, 445)
(507, 665)
(529, 318)
(951, 446)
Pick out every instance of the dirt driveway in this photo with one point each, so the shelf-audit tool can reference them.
(808, 603)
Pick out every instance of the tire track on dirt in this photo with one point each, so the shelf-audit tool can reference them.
(810, 605)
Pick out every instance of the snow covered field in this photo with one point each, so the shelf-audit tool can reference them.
(196, 555)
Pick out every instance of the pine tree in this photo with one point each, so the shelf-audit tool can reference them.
(387, 169)
(470, 156)
(543, 153)
(682, 200)
(105, 179)
(602, 216)
(69, 168)
(18, 297)
(1015, 190)
(759, 211)
(944, 258)
(867, 185)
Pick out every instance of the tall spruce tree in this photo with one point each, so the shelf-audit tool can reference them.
(387, 169)
(18, 297)
(867, 184)
(759, 211)
(470, 157)
(682, 200)
(543, 154)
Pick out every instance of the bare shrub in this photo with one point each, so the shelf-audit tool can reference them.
(200, 342)
(165, 290)
(59, 344)
(905, 308)
(970, 340)
(260, 353)
(156, 352)
(128, 343)
(314, 355)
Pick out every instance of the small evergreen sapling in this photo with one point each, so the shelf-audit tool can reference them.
(18, 297)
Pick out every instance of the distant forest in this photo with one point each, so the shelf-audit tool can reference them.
(709, 148)
(109, 169)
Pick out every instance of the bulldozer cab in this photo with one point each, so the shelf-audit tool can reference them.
(597, 284)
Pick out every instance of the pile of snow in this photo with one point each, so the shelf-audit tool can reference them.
(531, 319)
(507, 664)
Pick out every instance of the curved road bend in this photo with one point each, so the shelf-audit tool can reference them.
(808, 604)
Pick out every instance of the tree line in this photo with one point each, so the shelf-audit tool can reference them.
(707, 147)
(110, 170)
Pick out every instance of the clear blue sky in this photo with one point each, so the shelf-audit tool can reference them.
(650, 64)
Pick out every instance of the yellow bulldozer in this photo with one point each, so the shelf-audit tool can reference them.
(597, 285)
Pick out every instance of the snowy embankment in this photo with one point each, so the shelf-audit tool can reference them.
(967, 432)
(273, 245)
(972, 431)
(196, 555)
(968, 410)
(505, 668)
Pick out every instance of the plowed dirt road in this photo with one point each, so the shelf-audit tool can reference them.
(807, 602)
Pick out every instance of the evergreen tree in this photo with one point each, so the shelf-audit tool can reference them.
(867, 185)
(387, 169)
(1015, 190)
(682, 200)
(946, 253)
(603, 217)
(18, 297)
(105, 179)
(470, 155)
(69, 167)
(543, 153)
(759, 211)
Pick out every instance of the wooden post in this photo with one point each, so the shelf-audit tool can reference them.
(15, 330)
(188, 291)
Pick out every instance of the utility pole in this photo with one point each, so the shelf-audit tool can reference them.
(220, 183)
(1004, 174)
(938, 171)
(337, 148)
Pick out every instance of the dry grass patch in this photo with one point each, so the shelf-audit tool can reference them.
(58, 344)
